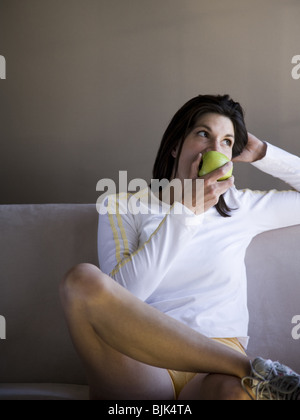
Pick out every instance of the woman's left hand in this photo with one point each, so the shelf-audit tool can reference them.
(255, 150)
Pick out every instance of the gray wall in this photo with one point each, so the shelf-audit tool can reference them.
(92, 84)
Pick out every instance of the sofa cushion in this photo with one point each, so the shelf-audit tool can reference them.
(38, 244)
(273, 267)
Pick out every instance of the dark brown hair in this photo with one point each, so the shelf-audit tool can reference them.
(183, 123)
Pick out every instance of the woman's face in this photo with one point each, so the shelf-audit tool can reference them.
(211, 132)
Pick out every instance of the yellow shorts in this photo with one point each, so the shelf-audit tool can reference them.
(181, 379)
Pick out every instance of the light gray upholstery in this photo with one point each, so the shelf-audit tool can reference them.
(39, 243)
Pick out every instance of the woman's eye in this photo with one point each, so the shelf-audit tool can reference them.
(202, 133)
(228, 142)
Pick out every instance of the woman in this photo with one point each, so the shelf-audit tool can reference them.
(167, 317)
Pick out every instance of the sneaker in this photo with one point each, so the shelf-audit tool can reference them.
(271, 381)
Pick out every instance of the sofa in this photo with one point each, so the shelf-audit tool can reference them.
(39, 243)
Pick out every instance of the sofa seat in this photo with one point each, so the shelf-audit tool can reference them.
(44, 392)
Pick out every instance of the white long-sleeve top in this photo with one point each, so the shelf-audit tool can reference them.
(192, 267)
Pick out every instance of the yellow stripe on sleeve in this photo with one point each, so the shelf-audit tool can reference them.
(122, 230)
(129, 258)
(113, 228)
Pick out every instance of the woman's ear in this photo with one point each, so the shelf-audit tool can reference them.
(174, 152)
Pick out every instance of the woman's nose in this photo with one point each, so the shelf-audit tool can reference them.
(213, 148)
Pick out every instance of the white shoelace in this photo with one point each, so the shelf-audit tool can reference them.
(280, 386)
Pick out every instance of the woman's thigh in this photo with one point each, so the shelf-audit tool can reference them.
(213, 387)
(115, 376)
(111, 374)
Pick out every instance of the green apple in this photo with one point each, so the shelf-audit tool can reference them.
(212, 161)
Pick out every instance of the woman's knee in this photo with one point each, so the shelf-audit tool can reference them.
(219, 387)
(230, 389)
(81, 282)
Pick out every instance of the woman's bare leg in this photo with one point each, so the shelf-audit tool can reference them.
(214, 387)
(120, 338)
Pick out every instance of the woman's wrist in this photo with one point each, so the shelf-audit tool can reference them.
(261, 151)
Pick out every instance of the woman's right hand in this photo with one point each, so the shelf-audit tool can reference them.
(211, 190)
